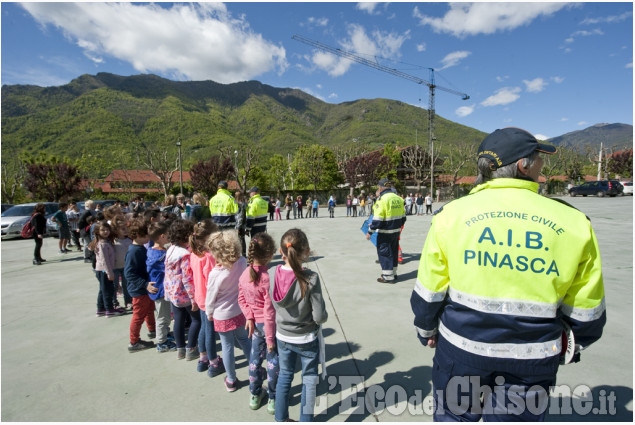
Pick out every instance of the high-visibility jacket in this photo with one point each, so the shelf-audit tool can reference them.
(499, 272)
(257, 211)
(223, 208)
(389, 213)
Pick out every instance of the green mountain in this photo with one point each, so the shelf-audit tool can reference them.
(110, 113)
(618, 136)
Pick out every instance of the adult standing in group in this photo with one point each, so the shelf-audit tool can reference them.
(428, 202)
(288, 203)
(64, 231)
(355, 204)
(199, 210)
(496, 288)
(389, 215)
(38, 221)
(419, 204)
(82, 223)
(256, 213)
(241, 218)
(223, 208)
(72, 215)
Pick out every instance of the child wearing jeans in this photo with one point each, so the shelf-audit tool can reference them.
(300, 310)
(255, 302)
(179, 289)
(201, 263)
(221, 301)
(104, 269)
(121, 245)
(155, 265)
(137, 277)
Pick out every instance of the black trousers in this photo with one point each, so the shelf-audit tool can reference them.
(38, 247)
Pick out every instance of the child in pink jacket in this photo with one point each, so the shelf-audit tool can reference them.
(255, 302)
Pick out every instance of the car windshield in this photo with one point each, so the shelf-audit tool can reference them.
(18, 210)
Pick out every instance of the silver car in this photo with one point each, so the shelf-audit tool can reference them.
(14, 218)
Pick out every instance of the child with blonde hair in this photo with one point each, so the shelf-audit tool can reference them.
(221, 301)
(300, 310)
(255, 302)
(202, 262)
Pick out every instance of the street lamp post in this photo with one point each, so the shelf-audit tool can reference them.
(178, 144)
(236, 166)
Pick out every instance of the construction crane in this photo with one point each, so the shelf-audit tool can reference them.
(431, 86)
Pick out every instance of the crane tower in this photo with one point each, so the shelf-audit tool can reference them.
(431, 86)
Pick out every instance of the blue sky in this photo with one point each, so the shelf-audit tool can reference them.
(550, 68)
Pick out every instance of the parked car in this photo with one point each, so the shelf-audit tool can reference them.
(599, 188)
(13, 219)
(6, 207)
(51, 228)
(628, 188)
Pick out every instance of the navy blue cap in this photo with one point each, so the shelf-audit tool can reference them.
(222, 184)
(385, 182)
(254, 189)
(510, 144)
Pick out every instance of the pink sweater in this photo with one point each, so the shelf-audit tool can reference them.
(105, 258)
(255, 302)
(201, 266)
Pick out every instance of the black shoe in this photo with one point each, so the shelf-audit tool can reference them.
(42, 260)
(37, 263)
(382, 280)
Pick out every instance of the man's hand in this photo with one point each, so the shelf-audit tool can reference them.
(151, 288)
(368, 236)
(432, 342)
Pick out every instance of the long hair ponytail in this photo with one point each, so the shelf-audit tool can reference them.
(295, 246)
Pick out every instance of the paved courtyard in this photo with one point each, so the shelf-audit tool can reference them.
(61, 363)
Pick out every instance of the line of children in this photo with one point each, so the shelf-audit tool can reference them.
(104, 251)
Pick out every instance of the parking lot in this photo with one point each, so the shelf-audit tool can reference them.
(61, 363)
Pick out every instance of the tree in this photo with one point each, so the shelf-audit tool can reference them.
(315, 165)
(460, 153)
(278, 173)
(13, 175)
(415, 159)
(622, 163)
(365, 169)
(52, 179)
(205, 175)
(161, 163)
(244, 156)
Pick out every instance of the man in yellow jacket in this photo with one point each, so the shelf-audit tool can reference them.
(257, 210)
(223, 207)
(503, 273)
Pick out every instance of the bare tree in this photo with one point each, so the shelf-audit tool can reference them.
(244, 158)
(13, 174)
(415, 159)
(161, 163)
(459, 155)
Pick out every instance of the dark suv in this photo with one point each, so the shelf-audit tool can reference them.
(599, 188)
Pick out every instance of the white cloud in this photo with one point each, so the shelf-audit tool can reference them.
(541, 137)
(368, 7)
(629, 65)
(454, 58)
(582, 123)
(333, 96)
(465, 19)
(421, 47)
(380, 43)
(464, 111)
(319, 86)
(502, 96)
(536, 85)
(557, 79)
(500, 79)
(564, 119)
(186, 41)
(318, 22)
(608, 19)
(583, 33)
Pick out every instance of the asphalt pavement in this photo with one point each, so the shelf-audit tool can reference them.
(61, 363)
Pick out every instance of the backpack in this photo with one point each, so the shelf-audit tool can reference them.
(27, 229)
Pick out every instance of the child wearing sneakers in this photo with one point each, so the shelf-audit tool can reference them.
(221, 301)
(137, 277)
(155, 265)
(255, 303)
(104, 269)
(179, 289)
(121, 245)
(201, 263)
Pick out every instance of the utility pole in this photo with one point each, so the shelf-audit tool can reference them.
(178, 144)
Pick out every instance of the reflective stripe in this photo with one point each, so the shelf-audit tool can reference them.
(397, 230)
(217, 214)
(534, 350)
(508, 306)
(256, 217)
(391, 218)
(428, 295)
(426, 334)
(584, 314)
